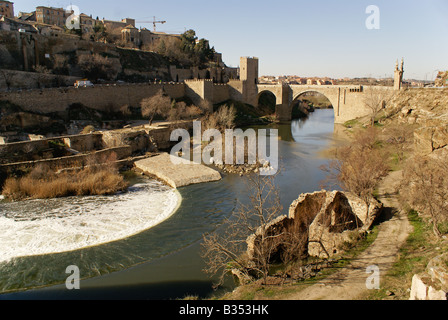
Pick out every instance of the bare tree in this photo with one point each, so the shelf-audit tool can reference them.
(221, 120)
(227, 249)
(425, 188)
(401, 139)
(159, 104)
(376, 99)
(359, 168)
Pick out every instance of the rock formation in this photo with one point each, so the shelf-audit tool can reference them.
(433, 283)
(325, 220)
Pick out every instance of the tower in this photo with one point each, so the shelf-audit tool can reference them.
(249, 79)
(398, 75)
(249, 70)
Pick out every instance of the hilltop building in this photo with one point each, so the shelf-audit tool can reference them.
(52, 16)
(115, 27)
(6, 9)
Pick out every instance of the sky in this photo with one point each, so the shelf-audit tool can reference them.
(322, 38)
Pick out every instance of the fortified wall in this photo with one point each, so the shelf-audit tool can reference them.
(113, 97)
(104, 98)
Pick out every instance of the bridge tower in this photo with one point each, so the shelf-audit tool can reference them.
(398, 75)
(249, 77)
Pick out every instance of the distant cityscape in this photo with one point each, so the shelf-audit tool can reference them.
(326, 81)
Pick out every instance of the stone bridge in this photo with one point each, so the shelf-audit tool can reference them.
(348, 101)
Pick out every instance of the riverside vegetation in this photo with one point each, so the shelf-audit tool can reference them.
(44, 183)
(393, 140)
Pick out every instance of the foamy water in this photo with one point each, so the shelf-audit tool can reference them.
(40, 227)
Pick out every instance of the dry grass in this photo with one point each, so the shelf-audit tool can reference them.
(42, 183)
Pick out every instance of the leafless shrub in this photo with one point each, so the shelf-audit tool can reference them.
(159, 104)
(221, 120)
(44, 183)
(425, 188)
(400, 139)
(97, 67)
(359, 167)
(376, 99)
(226, 249)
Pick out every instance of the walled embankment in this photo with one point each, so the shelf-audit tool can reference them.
(80, 150)
(103, 98)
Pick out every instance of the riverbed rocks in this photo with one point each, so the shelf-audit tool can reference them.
(430, 139)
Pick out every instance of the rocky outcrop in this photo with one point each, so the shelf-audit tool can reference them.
(138, 140)
(430, 139)
(329, 219)
(325, 220)
(433, 283)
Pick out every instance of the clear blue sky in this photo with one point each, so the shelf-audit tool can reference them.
(298, 37)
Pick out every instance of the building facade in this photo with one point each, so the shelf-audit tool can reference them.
(52, 16)
(6, 9)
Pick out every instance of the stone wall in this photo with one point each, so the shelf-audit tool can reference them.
(37, 149)
(104, 98)
(199, 91)
(19, 168)
(220, 93)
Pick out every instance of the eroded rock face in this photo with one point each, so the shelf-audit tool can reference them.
(323, 221)
(137, 139)
(433, 283)
(429, 139)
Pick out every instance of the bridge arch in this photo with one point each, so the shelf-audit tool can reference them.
(267, 100)
(333, 101)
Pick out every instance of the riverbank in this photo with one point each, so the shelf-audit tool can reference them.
(406, 242)
(344, 277)
(349, 282)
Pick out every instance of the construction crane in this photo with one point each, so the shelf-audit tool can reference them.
(154, 22)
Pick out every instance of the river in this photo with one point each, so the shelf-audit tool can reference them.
(137, 245)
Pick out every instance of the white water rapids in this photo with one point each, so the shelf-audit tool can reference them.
(38, 227)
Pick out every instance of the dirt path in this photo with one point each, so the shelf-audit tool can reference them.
(350, 283)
